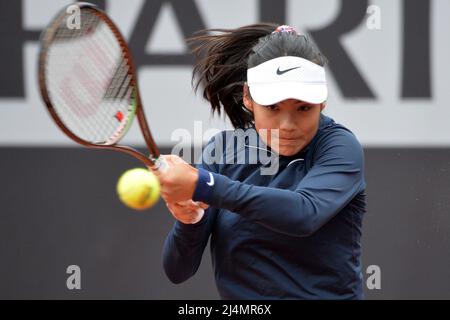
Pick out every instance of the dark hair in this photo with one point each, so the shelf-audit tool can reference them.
(223, 56)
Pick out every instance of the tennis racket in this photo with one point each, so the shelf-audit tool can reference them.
(88, 82)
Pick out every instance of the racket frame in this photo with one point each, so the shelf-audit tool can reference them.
(153, 161)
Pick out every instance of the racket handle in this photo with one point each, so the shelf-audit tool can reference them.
(162, 165)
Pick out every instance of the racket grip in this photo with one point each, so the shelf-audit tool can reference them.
(161, 164)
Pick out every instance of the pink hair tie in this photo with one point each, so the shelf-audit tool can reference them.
(285, 28)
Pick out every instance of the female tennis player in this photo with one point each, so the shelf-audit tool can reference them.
(292, 231)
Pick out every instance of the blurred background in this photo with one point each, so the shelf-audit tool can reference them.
(388, 75)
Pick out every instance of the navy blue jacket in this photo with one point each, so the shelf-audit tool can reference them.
(295, 234)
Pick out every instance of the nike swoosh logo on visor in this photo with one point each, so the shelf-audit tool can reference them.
(280, 72)
(211, 181)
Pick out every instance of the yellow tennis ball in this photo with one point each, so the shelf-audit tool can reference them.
(138, 188)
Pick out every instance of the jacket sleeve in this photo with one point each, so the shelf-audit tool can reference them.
(336, 177)
(185, 243)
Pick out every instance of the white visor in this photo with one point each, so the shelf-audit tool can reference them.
(287, 78)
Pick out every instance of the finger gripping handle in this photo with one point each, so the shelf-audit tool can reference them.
(162, 166)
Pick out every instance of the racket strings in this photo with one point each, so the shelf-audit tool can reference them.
(99, 55)
(78, 70)
(89, 81)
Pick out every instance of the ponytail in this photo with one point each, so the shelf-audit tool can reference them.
(221, 67)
